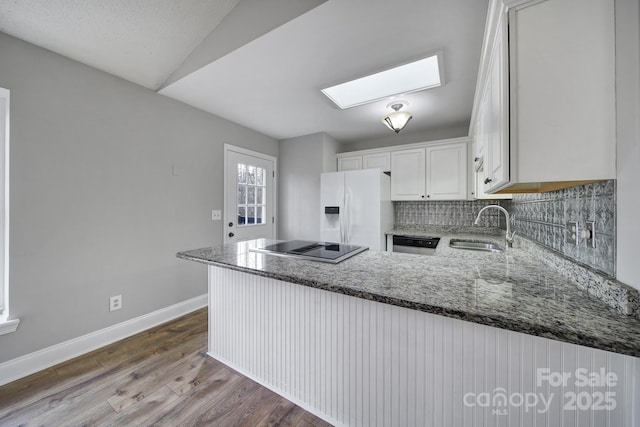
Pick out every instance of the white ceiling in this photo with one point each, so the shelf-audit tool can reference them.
(140, 41)
(269, 81)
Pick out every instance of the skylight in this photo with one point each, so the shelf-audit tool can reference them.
(412, 77)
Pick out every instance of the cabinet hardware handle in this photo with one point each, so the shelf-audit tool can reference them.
(231, 234)
(476, 159)
(230, 224)
(422, 196)
(428, 196)
(488, 180)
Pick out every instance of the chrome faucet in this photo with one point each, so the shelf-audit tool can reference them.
(509, 234)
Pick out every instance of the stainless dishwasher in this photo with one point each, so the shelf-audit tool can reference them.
(415, 245)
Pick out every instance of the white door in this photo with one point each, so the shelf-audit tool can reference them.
(249, 195)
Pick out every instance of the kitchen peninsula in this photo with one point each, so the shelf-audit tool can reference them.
(397, 339)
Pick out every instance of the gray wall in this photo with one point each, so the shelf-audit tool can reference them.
(301, 162)
(95, 207)
(407, 137)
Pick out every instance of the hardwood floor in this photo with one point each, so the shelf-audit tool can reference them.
(159, 377)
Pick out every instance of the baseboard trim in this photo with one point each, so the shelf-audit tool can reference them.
(31, 363)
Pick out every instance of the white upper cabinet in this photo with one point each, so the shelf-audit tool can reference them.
(447, 172)
(563, 99)
(349, 163)
(408, 174)
(377, 160)
(491, 112)
(496, 119)
(380, 161)
(435, 170)
(477, 174)
(544, 109)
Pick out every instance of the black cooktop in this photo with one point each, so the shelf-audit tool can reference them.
(314, 251)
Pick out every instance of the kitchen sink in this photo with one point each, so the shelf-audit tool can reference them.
(474, 245)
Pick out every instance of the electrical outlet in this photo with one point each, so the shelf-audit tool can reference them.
(115, 303)
(572, 233)
(216, 215)
(591, 228)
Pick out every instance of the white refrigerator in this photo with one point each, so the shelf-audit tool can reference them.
(356, 208)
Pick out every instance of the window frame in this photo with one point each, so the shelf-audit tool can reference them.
(6, 325)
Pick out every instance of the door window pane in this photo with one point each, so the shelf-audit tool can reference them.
(242, 216)
(242, 195)
(251, 175)
(260, 176)
(242, 172)
(251, 199)
(259, 215)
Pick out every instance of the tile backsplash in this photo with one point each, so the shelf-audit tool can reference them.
(539, 217)
(447, 213)
(542, 218)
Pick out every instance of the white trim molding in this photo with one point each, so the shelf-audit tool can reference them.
(274, 191)
(42, 359)
(9, 326)
(5, 122)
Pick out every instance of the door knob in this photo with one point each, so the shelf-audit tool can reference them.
(231, 234)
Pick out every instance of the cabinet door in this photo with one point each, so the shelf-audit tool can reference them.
(563, 90)
(495, 126)
(408, 174)
(380, 161)
(349, 163)
(480, 164)
(447, 172)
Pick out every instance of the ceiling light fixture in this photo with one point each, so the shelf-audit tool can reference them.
(397, 120)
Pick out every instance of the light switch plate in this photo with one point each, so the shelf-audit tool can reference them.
(572, 233)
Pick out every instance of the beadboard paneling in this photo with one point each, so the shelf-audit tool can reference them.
(361, 363)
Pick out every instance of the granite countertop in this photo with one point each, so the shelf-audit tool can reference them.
(513, 290)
